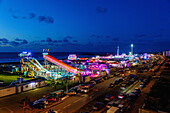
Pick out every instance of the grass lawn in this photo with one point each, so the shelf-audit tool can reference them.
(9, 78)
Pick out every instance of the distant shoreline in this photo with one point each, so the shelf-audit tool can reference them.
(1, 63)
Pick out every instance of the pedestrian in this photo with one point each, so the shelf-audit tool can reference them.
(31, 104)
(24, 108)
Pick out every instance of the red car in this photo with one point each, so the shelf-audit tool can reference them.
(50, 98)
(108, 97)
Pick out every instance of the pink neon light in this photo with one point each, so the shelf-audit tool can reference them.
(58, 62)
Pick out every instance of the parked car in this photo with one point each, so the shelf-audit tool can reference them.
(109, 105)
(132, 96)
(120, 80)
(140, 71)
(50, 98)
(111, 85)
(131, 82)
(122, 108)
(108, 97)
(117, 82)
(57, 94)
(41, 101)
(71, 92)
(39, 105)
(105, 77)
(156, 76)
(146, 81)
(101, 79)
(123, 86)
(137, 90)
(114, 103)
(98, 106)
(142, 84)
(87, 89)
(121, 96)
(98, 80)
(93, 82)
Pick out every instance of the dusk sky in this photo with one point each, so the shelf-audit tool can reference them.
(84, 25)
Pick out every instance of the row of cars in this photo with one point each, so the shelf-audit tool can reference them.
(111, 101)
(52, 97)
(115, 104)
(145, 81)
(86, 87)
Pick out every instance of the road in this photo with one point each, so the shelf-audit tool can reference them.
(12, 104)
(140, 100)
(74, 103)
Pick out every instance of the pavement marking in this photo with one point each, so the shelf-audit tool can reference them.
(77, 100)
(8, 109)
(67, 105)
(84, 95)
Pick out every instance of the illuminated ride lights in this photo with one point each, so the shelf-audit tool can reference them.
(69, 68)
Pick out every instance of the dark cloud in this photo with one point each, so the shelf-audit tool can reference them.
(60, 41)
(17, 39)
(24, 42)
(24, 17)
(65, 40)
(42, 40)
(90, 44)
(4, 40)
(50, 42)
(115, 39)
(48, 39)
(107, 36)
(15, 17)
(55, 41)
(98, 36)
(139, 36)
(101, 10)
(46, 19)
(69, 37)
(75, 41)
(14, 43)
(93, 35)
(21, 41)
(32, 15)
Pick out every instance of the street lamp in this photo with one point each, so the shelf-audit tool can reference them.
(132, 49)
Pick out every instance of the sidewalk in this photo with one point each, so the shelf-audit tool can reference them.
(12, 104)
(140, 101)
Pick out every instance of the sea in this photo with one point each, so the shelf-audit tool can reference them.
(10, 57)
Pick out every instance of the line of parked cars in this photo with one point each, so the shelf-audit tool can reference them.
(145, 81)
(113, 84)
(52, 97)
(81, 88)
(134, 94)
(111, 101)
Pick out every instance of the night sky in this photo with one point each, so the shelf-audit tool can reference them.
(84, 25)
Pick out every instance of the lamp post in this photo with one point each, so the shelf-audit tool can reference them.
(131, 48)
(117, 50)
